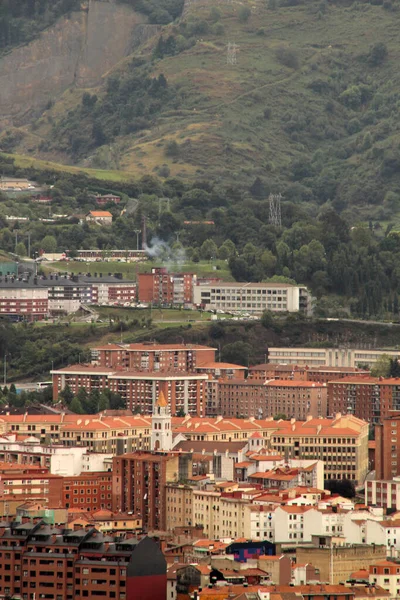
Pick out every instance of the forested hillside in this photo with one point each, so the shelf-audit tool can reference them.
(309, 108)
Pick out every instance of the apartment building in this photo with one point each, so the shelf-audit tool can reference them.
(97, 433)
(253, 298)
(341, 442)
(40, 561)
(386, 574)
(331, 357)
(162, 288)
(185, 392)
(25, 302)
(24, 485)
(295, 399)
(88, 491)
(242, 397)
(179, 505)
(387, 449)
(150, 356)
(383, 493)
(296, 372)
(220, 516)
(139, 484)
(369, 398)
(35, 297)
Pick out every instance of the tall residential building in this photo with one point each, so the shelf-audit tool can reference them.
(42, 561)
(262, 399)
(341, 442)
(369, 398)
(253, 298)
(184, 391)
(150, 356)
(139, 484)
(387, 452)
(162, 288)
(331, 357)
(295, 399)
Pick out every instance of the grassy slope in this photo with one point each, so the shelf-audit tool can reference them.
(223, 115)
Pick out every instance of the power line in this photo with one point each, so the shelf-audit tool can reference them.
(275, 214)
(231, 57)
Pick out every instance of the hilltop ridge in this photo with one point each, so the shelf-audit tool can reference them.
(309, 106)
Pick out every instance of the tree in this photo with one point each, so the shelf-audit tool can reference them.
(244, 14)
(377, 54)
(343, 487)
(116, 401)
(382, 367)
(238, 353)
(394, 370)
(267, 319)
(104, 402)
(208, 250)
(227, 250)
(21, 249)
(76, 406)
(49, 244)
(280, 416)
(66, 395)
(172, 149)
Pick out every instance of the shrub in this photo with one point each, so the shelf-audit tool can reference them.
(244, 14)
(287, 57)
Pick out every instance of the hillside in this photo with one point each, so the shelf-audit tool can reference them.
(310, 107)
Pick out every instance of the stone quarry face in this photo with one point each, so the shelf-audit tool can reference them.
(78, 50)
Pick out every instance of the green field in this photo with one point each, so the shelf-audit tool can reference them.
(35, 163)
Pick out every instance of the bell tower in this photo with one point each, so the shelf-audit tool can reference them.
(161, 425)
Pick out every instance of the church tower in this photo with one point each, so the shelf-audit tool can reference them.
(161, 425)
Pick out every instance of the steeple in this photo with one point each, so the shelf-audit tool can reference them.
(161, 425)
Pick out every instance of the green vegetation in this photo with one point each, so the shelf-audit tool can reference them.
(158, 11)
(350, 270)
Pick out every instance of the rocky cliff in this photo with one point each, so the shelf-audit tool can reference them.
(77, 50)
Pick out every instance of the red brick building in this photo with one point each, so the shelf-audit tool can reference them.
(139, 480)
(153, 357)
(88, 491)
(156, 287)
(241, 398)
(161, 288)
(295, 399)
(263, 399)
(184, 391)
(321, 374)
(369, 398)
(107, 199)
(30, 302)
(40, 561)
(387, 451)
(27, 484)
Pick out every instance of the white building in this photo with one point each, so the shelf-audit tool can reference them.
(100, 217)
(253, 298)
(289, 524)
(74, 461)
(331, 357)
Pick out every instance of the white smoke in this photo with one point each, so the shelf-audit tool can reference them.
(164, 252)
